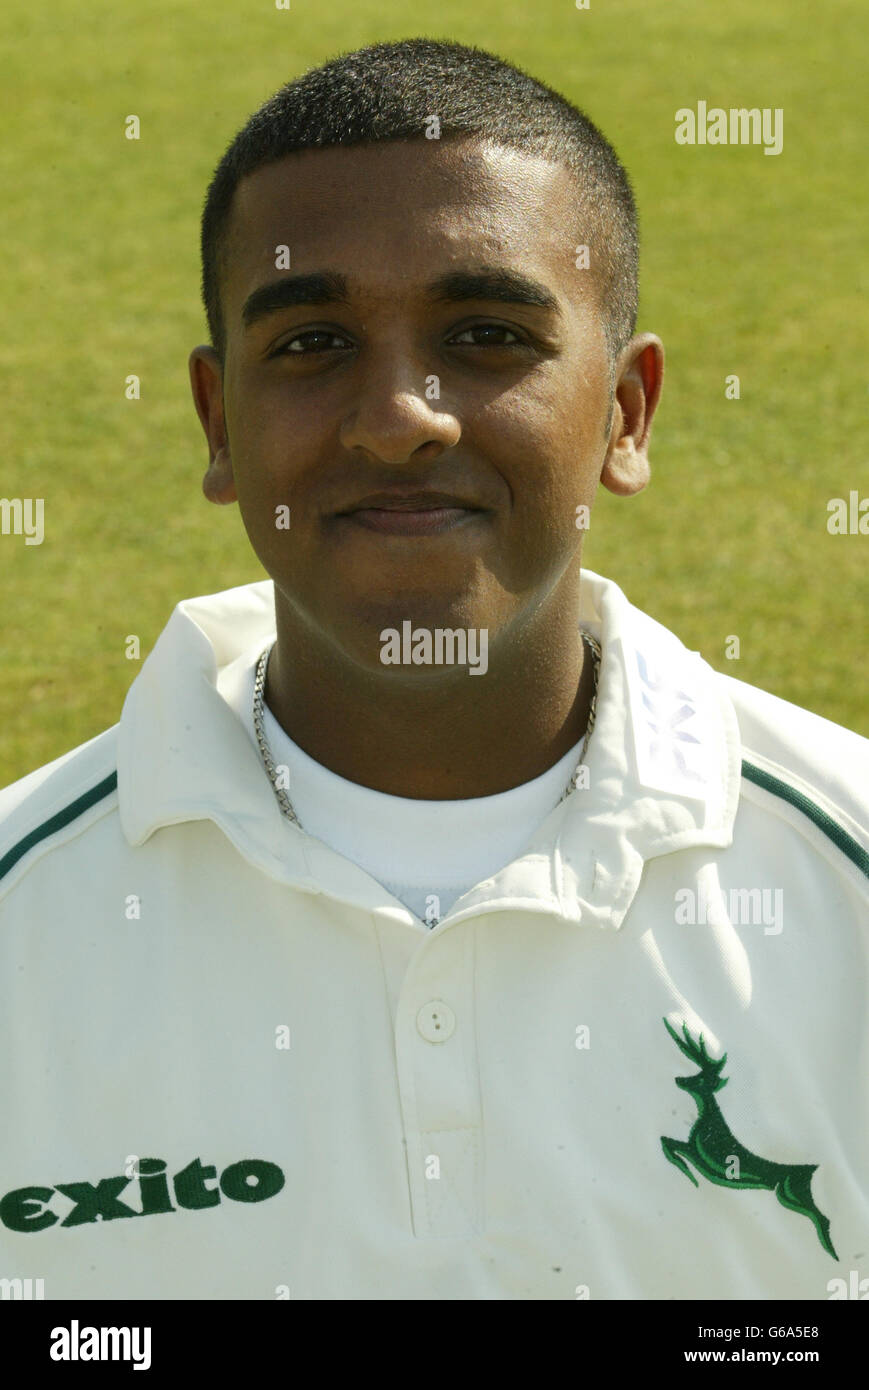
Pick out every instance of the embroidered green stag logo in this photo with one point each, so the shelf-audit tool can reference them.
(714, 1152)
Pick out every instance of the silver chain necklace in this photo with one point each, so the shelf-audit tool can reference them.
(268, 761)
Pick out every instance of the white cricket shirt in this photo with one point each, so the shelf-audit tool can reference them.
(427, 853)
(236, 1066)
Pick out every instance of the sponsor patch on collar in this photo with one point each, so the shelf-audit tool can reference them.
(673, 739)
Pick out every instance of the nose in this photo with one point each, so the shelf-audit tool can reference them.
(397, 413)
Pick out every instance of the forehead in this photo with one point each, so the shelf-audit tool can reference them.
(399, 211)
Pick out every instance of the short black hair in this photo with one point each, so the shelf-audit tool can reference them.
(390, 91)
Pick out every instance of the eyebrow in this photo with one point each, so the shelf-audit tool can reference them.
(506, 286)
(320, 287)
(328, 287)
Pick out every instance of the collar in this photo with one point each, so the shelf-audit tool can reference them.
(663, 764)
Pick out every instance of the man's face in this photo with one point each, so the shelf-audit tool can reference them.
(413, 364)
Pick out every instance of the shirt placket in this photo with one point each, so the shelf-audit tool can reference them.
(439, 1086)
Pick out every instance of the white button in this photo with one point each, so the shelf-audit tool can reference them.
(436, 1021)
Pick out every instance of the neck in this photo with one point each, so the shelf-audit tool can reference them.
(464, 736)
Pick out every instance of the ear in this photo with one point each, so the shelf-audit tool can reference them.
(206, 383)
(639, 376)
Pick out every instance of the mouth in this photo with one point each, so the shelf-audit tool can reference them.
(429, 521)
(411, 514)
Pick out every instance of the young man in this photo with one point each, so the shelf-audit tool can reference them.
(391, 944)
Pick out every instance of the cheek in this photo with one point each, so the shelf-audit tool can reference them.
(270, 456)
(549, 446)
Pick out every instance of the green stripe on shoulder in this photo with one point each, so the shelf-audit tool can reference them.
(57, 822)
(833, 831)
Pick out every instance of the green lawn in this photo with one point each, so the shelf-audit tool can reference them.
(751, 266)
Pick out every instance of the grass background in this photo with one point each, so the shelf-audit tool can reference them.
(751, 264)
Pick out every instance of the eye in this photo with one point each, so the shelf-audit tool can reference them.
(312, 340)
(492, 335)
